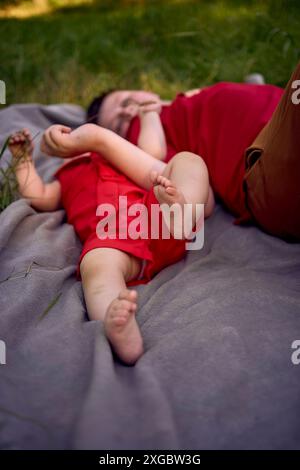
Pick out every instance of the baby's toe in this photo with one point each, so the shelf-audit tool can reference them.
(119, 320)
(127, 305)
(165, 181)
(121, 317)
(171, 190)
(168, 183)
(130, 295)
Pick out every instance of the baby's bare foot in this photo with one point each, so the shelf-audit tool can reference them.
(20, 144)
(167, 193)
(122, 329)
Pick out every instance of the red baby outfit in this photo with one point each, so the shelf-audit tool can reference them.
(218, 123)
(87, 182)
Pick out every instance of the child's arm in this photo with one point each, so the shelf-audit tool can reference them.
(152, 137)
(42, 196)
(126, 157)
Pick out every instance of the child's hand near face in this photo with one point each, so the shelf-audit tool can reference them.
(150, 106)
(140, 107)
(152, 137)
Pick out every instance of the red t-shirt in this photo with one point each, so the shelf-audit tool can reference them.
(218, 123)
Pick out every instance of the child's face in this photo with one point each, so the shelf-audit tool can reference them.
(119, 107)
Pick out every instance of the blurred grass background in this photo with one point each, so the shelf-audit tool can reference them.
(70, 50)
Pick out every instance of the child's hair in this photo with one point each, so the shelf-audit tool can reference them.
(93, 109)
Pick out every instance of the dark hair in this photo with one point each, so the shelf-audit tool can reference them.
(93, 109)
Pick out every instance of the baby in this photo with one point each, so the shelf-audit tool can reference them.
(112, 164)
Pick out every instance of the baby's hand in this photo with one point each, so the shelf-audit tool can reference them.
(140, 103)
(21, 146)
(150, 106)
(53, 141)
(61, 141)
(144, 96)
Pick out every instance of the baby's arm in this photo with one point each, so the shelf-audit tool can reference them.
(132, 161)
(152, 137)
(42, 196)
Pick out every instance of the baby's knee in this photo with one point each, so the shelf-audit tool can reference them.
(185, 156)
(108, 262)
(189, 159)
(90, 266)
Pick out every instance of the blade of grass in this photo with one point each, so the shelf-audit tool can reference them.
(4, 147)
(9, 185)
(49, 307)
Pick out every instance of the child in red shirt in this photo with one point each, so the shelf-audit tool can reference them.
(248, 136)
(115, 168)
(217, 122)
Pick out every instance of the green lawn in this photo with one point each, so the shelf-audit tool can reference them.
(71, 53)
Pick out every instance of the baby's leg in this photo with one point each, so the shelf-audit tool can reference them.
(104, 273)
(184, 180)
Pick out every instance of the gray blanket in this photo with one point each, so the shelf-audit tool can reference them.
(218, 328)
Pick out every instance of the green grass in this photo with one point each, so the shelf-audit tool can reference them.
(72, 53)
(9, 190)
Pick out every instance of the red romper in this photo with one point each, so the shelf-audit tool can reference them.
(87, 182)
(218, 123)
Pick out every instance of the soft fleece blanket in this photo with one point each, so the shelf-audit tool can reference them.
(218, 327)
